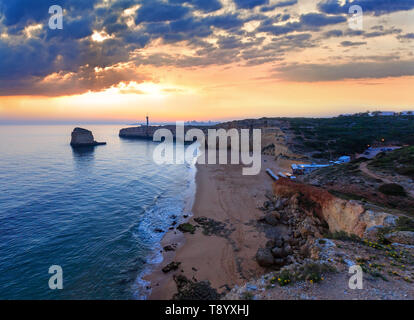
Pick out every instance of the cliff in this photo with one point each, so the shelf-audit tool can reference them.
(340, 215)
(315, 237)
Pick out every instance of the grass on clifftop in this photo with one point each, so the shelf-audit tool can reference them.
(334, 137)
(393, 189)
(400, 161)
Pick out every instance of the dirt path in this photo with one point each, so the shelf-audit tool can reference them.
(364, 168)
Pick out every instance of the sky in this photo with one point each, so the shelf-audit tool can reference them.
(118, 60)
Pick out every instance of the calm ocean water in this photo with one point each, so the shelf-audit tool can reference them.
(93, 213)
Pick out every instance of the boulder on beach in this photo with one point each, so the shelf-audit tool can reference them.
(84, 138)
(171, 267)
(264, 257)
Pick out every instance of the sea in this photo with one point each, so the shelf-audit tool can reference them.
(99, 214)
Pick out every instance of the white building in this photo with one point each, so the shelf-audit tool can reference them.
(382, 114)
(307, 168)
(344, 159)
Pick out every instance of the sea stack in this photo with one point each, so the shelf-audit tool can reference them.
(83, 138)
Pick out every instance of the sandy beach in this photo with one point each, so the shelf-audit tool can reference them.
(224, 195)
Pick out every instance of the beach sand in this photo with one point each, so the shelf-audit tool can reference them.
(225, 195)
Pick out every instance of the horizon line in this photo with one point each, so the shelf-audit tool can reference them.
(16, 121)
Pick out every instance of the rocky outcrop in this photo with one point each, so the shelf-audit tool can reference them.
(171, 267)
(291, 229)
(403, 237)
(340, 215)
(265, 258)
(373, 233)
(83, 138)
(194, 290)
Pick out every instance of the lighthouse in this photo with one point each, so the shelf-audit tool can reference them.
(147, 128)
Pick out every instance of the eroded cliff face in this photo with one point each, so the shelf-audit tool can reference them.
(340, 215)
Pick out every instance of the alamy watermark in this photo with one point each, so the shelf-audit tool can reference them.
(56, 20)
(56, 280)
(356, 21)
(210, 147)
(357, 278)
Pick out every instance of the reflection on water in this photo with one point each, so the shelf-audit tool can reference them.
(83, 152)
(83, 157)
(93, 211)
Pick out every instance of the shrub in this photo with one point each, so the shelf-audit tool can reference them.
(284, 278)
(392, 189)
(247, 296)
(310, 271)
(313, 271)
(186, 227)
(343, 236)
(321, 155)
(406, 171)
(405, 224)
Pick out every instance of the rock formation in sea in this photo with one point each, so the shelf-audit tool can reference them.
(83, 138)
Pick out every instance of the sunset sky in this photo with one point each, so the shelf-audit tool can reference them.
(117, 60)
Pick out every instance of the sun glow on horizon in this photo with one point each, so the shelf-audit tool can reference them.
(189, 60)
(177, 100)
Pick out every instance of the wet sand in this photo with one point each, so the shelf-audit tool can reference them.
(225, 195)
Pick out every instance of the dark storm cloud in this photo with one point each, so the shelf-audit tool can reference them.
(309, 21)
(281, 4)
(203, 5)
(159, 11)
(70, 56)
(380, 31)
(250, 4)
(376, 7)
(374, 32)
(286, 3)
(407, 36)
(333, 34)
(352, 43)
(25, 62)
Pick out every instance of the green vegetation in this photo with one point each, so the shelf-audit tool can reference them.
(321, 155)
(347, 196)
(311, 271)
(374, 269)
(392, 189)
(247, 296)
(283, 279)
(351, 134)
(187, 228)
(343, 236)
(400, 161)
(405, 224)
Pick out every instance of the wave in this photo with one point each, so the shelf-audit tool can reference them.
(159, 216)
